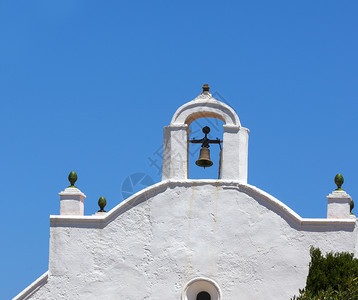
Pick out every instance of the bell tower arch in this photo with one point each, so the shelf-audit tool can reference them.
(176, 139)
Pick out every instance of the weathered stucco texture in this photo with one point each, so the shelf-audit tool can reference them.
(152, 245)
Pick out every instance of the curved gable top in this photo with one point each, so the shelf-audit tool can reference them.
(268, 200)
(205, 106)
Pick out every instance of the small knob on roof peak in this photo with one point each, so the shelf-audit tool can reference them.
(72, 178)
(206, 88)
(339, 181)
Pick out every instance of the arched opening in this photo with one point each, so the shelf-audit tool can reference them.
(178, 153)
(203, 296)
(196, 132)
(201, 288)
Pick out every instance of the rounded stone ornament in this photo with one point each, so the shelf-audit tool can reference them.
(72, 178)
(339, 181)
(102, 203)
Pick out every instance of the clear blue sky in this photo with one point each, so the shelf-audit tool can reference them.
(89, 85)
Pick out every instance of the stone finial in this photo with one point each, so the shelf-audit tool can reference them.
(340, 204)
(102, 203)
(72, 199)
(339, 181)
(206, 88)
(72, 178)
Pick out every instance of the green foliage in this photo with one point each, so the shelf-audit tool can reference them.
(350, 294)
(333, 277)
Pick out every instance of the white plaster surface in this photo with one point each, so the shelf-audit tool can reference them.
(205, 106)
(175, 152)
(235, 153)
(338, 205)
(153, 244)
(72, 201)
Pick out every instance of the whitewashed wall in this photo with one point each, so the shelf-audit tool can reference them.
(149, 247)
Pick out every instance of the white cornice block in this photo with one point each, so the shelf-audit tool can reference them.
(72, 202)
(338, 205)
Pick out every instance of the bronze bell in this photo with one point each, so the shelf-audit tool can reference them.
(204, 158)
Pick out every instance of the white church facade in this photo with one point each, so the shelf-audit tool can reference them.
(190, 239)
